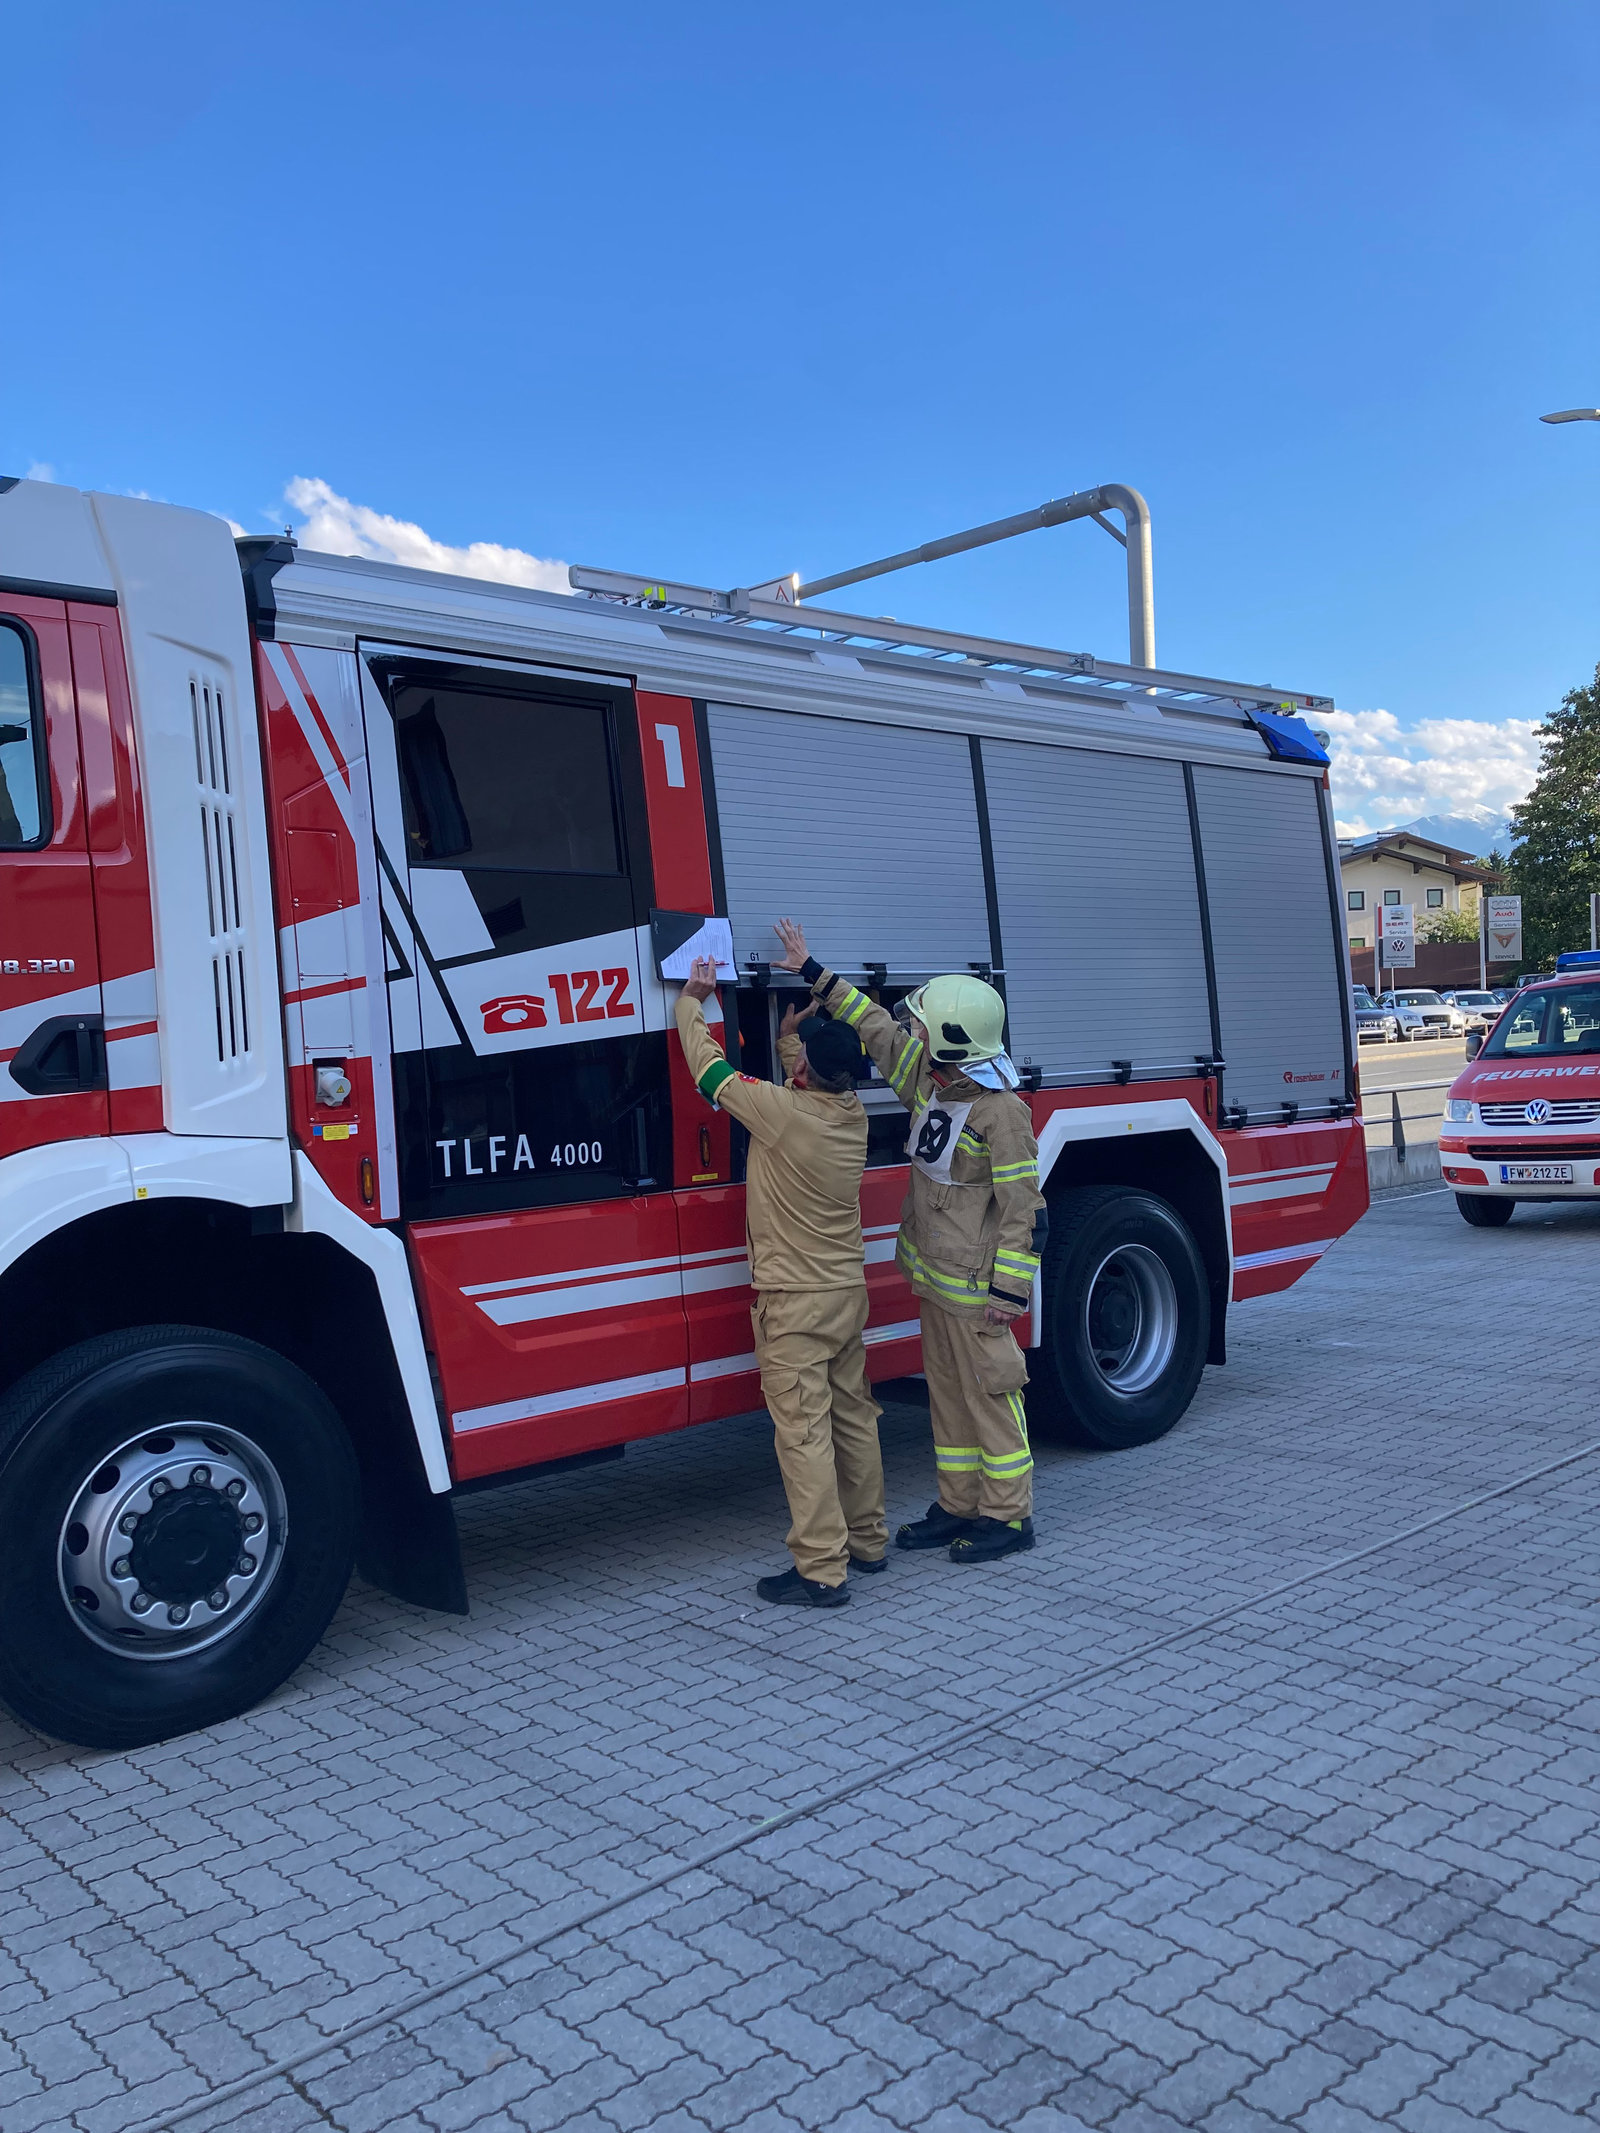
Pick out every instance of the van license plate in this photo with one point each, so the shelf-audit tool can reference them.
(1536, 1173)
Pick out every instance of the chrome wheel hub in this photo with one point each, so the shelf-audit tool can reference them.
(172, 1541)
(1131, 1318)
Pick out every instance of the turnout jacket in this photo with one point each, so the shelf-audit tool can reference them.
(803, 1181)
(973, 1223)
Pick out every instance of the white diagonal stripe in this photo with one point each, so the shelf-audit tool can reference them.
(575, 1396)
(902, 1330)
(720, 1366)
(566, 1273)
(1250, 1190)
(590, 1296)
(731, 1274)
(1281, 1257)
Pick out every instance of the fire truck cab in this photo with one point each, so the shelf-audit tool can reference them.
(347, 1156)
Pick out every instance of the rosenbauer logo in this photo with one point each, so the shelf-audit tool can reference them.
(1292, 1077)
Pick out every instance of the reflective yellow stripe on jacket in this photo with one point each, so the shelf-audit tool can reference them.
(958, 1287)
(1020, 1267)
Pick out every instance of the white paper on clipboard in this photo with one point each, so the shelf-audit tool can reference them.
(714, 938)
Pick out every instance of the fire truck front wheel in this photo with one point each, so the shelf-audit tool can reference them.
(1126, 1320)
(178, 1515)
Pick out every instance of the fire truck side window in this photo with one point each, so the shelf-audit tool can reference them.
(506, 783)
(22, 804)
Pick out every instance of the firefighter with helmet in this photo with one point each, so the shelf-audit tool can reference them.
(971, 1232)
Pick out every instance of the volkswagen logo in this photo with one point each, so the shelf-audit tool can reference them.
(1537, 1113)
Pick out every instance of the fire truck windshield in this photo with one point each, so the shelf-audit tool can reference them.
(1548, 1022)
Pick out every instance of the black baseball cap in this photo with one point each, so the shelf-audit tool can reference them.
(833, 1050)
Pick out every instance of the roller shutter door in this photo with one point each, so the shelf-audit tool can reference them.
(1279, 989)
(868, 834)
(1099, 909)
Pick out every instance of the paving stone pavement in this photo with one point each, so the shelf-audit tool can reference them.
(1332, 1862)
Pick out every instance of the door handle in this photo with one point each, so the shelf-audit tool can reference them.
(63, 1056)
(638, 1181)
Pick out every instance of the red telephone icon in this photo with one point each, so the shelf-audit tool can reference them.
(518, 1010)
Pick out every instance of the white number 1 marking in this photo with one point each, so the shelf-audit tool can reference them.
(672, 749)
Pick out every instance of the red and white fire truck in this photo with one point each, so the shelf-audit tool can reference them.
(348, 1156)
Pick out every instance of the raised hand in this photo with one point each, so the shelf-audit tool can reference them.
(793, 936)
(793, 1017)
(702, 978)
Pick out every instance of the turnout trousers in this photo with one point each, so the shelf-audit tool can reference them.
(824, 1424)
(975, 1377)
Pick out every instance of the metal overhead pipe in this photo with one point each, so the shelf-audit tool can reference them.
(1086, 503)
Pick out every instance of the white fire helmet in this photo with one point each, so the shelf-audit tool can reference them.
(964, 1017)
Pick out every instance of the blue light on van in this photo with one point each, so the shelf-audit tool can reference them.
(1579, 959)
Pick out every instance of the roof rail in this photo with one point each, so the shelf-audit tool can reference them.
(1108, 680)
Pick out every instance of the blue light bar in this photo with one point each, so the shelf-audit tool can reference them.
(1289, 739)
(1579, 959)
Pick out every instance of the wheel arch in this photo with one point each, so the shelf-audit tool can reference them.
(1163, 1147)
(286, 1276)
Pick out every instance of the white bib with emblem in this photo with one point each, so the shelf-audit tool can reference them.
(935, 1129)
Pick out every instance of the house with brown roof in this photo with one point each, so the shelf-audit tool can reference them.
(1399, 867)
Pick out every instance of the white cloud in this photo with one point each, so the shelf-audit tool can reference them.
(1441, 766)
(338, 527)
(41, 470)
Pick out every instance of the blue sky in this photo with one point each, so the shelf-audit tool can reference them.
(720, 292)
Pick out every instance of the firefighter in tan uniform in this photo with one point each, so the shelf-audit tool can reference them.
(971, 1232)
(808, 1148)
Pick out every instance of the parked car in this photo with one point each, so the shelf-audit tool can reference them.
(1374, 1024)
(1520, 1121)
(1482, 1009)
(1413, 1023)
(1437, 1017)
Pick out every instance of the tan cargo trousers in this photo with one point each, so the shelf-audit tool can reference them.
(825, 1426)
(980, 1429)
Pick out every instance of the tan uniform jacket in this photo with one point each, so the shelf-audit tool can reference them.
(803, 1184)
(969, 1228)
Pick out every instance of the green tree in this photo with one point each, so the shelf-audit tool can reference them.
(1556, 863)
(1449, 926)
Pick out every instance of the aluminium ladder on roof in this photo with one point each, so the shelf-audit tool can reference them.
(1101, 680)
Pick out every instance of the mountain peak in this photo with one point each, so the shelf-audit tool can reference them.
(1471, 830)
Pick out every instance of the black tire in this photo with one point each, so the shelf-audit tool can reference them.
(1484, 1211)
(82, 1669)
(1156, 1291)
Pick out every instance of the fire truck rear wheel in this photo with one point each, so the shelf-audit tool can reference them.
(178, 1516)
(1126, 1320)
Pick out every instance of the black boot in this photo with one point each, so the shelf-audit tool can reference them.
(792, 1590)
(937, 1530)
(987, 1538)
(869, 1565)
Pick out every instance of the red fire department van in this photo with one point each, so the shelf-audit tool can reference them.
(349, 1159)
(1523, 1121)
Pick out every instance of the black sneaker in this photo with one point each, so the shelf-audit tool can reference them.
(937, 1530)
(792, 1590)
(869, 1566)
(987, 1538)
